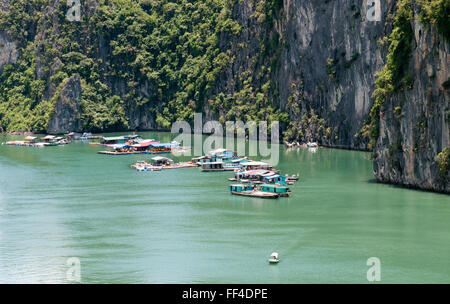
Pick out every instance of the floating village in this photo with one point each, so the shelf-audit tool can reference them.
(250, 178)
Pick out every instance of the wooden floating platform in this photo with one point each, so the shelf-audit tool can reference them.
(129, 153)
(180, 166)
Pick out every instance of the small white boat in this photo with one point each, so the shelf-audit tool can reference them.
(274, 258)
(143, 166)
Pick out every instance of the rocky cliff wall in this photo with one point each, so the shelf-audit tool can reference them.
(8, 50)
(67, 113)
(414, 122)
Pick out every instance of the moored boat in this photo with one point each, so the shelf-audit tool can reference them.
(250, 191)
(144, 166)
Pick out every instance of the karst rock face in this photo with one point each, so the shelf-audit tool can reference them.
(8, 50)
(414, 123)
(66, 116)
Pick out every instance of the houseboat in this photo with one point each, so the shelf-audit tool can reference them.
(249, 191)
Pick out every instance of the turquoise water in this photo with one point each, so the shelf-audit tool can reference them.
(183, 226)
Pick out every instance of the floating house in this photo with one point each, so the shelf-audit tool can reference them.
(250, 191)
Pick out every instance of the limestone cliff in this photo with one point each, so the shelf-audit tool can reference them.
(414, 122)
(66, 116)
(8, 50)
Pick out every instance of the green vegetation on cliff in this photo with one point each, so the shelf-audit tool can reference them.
(159, 58)
(393, 76)
(437, 13)
(162, 55)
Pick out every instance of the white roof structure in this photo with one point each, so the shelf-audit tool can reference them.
(212, 163)
(255, 163)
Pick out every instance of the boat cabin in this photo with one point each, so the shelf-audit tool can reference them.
(282, 190)
(142, 146)
(240, 188)
(119, 139)
(254, 165)
(113, 140)
(161, 161)
(275, 179)
(157, 147)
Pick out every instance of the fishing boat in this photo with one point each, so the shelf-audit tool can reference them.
(250, 191)
(274, 258)
(282, 191)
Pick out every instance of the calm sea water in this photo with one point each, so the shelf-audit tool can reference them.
(183, 226)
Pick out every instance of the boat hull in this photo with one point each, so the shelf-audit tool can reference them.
(256, 194)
